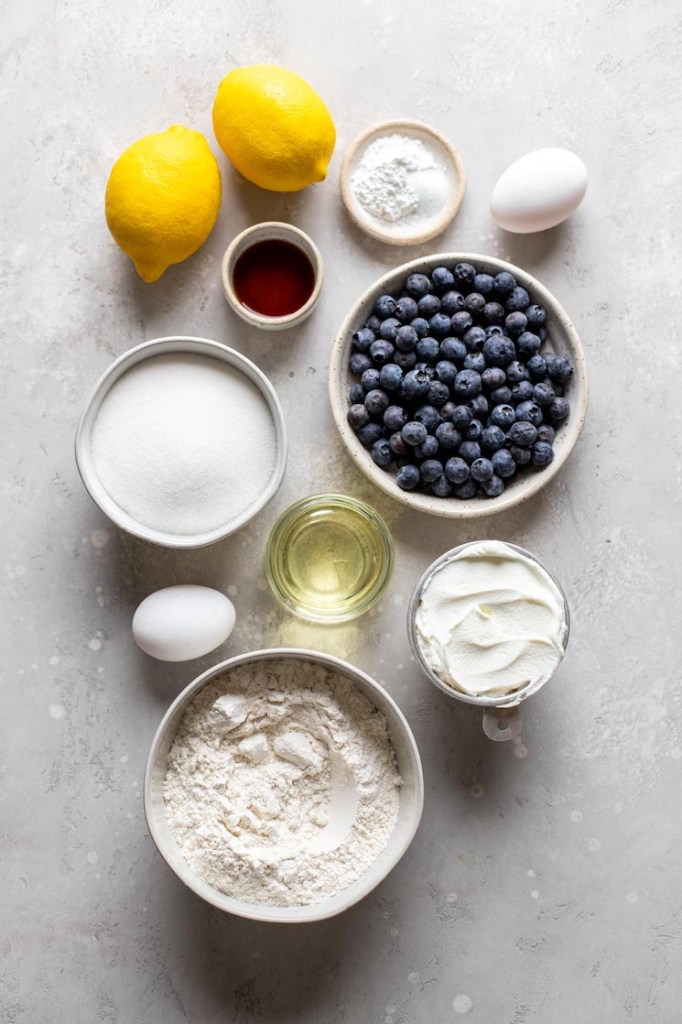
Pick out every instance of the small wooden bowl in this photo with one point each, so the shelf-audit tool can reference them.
(406, 233)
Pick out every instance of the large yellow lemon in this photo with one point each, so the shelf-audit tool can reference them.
(162, 199)
(273, 127)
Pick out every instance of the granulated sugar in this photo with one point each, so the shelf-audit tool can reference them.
(184, 443)
(282, 785)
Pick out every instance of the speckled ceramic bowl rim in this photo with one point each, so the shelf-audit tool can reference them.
(369, 224)
(265, 231)
(484, 701)
(148, 350)
(452, 508)
(409, 765)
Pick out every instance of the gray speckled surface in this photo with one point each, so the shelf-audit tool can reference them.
(544, 883)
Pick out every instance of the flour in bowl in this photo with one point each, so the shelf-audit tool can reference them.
(282, 785)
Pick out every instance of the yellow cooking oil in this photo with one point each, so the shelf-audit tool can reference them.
(329, 558)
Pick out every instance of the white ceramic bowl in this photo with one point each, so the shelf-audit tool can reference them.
(269, 231)
(564, 339)
(411, 794)
(405, 233)
(149, 350)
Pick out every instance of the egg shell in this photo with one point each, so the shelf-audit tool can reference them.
(183, 622)
(539, 191)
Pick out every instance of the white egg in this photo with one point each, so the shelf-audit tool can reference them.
(183, 622)
(539, 191)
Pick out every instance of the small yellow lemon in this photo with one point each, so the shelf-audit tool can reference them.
(273, 127)
(162, 199)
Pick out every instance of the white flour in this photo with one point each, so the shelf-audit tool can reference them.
(282, 785)
(399, 178)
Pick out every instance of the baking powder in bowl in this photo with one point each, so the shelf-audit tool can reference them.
(184, 443)
(282, 784)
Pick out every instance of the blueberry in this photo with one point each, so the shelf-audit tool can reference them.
(381, 351)
(376, 401)
(494, 331)
(522, 433)
(417, 285)
(430, 470)
(529, 412)
(493, 378)
(474, 361)
(362, 339)
(503, 416)
(452, 302)
(467, 384)
(442, 279)
(438, 393)
(501, 396)
(428, 349)
(464, 274)
(406, 338)
(370, 433)
(527, 344)
(428, 448)
(428, 305)
(357, 416)
(439, 324)
(408, 477)
(453, 349)
(492, 438)
(559, 409)
(406, 309)
(536, 315)
(537, 367)
(373, 323)
(405, 360)
(370, 379)
(474, 303)
(474, 339)
(493, 313)
(493, 488)
(465, 490)
(515, 323)
(499, 351)
(448, 436)
(381, 452)
(474, 431)
(414, 384)
(396, 442)
(503, 463)
(389, 329)
(462, 416)
(543, 394)
(522, 392)
(413, 433)
(441, 487)
(427, 368)
(468, 450)
(542, 333)
(390, 377)
(421, 326)
(560, 369)
(518, 300)
(505, 283)
(456, 470)
(546, 433)
(384, 306)
(446, 371)
(358, 363)
(429, 416)
(395, 417)
(479, 406)
(461, 322)
(447, 410)
(516, 372)
(542, 453)
(558, 389)
(481, 470)
(356, 394)
(483, 283)
(521, 456)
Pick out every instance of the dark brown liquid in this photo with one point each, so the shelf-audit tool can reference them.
(273, 278)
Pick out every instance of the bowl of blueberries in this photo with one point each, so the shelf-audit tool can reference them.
(458, 384)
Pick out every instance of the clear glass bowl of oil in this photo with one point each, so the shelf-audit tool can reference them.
(329, 558)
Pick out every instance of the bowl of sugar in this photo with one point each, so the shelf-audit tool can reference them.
(182, 441)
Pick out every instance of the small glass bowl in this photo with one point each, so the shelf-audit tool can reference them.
(329, 558)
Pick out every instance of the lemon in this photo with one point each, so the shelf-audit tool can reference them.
(273, 127)
(162, 199)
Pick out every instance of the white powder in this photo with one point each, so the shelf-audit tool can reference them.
(282, 785)
(184, 443)
(400, 179)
